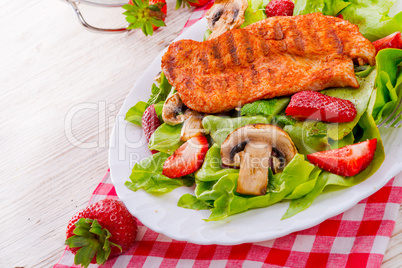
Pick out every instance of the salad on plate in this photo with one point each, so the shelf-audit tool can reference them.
(289, 147)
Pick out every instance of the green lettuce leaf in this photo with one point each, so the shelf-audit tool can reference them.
(228, 202)
(134, 115)
(313, 136)
(191, 202)
(359, 97)
(306, 187)
(158, 109)
(372, 17)
(388, 83)
(265, 107)
(326, 7)
(160, 93)
(254, 12)
(220, 127)
(211, 169)
(370, 131)
(166, 138)
(309, 136)
(147, 175)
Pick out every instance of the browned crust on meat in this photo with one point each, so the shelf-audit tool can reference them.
(275, 57)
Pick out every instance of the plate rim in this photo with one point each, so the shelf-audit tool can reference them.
(148, 221)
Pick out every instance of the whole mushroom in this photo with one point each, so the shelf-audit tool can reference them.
(254, 148)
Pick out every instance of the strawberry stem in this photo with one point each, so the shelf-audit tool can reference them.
(92, 240)
(143, 15)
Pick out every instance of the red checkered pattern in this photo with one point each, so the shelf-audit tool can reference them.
(355, 238)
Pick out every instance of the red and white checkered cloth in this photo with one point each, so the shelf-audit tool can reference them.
(355, 238)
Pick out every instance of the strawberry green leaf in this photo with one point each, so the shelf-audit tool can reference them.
(154, 8)
(77, 242)
(157, 23)
(142, 15)
(92, 240)
(85, 255)
(149, 28)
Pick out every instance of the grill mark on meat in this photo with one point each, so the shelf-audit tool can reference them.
(203, 59)
(187, 52)
(336, 40)
(262, 31)
(332, 37)
(297, 36)
(232, 49)
(278, 69)
(249, 48)
(189, 82)
(223, 84)
(206, 84)
(316, 41)
(216, 54)
(172, 66)
(278, 33)
(254, 75)
(239, 82)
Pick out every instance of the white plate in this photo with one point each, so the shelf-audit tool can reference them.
(161, 214)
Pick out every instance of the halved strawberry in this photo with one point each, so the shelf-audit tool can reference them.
(187, 159)
(148, 15)
(346, 161)
(391, 41)
(316, 106)
(150, 122)
(279, 8)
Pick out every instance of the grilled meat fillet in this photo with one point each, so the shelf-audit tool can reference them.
(275, 57)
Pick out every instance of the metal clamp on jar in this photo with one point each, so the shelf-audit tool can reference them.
(99, 3)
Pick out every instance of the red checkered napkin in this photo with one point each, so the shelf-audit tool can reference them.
(355, 238)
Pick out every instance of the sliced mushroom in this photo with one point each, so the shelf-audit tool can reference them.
(174, 111)
(192, 126)
(157, 78)
(278, 161)
(251, 148)
(225, 15)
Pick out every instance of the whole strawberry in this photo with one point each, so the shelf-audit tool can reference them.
(147, 15)
(150, 122)
(190, 3)
(279, 8)
(100, 232)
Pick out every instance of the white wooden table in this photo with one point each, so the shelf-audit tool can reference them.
(61, 87)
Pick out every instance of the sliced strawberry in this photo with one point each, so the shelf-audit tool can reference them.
(316, 106)
(150, 122)
(187, 159)
(279, 8)
(346, 161)
(148, 15)
(391, 41)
